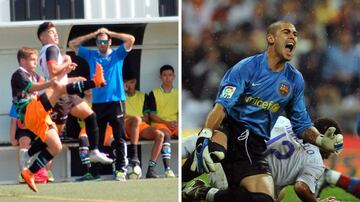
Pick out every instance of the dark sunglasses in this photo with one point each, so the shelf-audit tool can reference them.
(105, 42)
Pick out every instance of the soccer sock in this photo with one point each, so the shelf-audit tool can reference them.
(133, 153)
(36, 147)
(332, 176)
(79, 86)
(166, 152)
(92, 130)
(84, 152)
(43, 158)
(351, 185)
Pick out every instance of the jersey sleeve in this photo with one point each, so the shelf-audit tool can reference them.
(233, 85)
(121, 51)
(20, 81)
(51, 54)
(84, 53)
(152, 103)
(296, 109)
(13, 113)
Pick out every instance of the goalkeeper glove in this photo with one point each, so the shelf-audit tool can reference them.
(330, 142)
(207, 153)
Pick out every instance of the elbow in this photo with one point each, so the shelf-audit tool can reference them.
(132, 39)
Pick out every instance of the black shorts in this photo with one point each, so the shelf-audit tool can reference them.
(63, 107)
(245, 154)
(24, 133)
(109, 110)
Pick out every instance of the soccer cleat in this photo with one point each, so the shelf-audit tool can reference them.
(50, 176)
(169, 174)
(29, 179)
(87, 177)
(24, 159)
(97, 157)
(151, 173)
(99, 78)
(120, 175)
(196, 191)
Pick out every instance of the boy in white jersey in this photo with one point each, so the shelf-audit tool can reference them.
(53, 63)
(291, 163)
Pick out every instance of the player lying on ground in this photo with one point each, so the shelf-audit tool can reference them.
(34, 110)
(291, 161)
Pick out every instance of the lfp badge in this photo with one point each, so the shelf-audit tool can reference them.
(227, 92)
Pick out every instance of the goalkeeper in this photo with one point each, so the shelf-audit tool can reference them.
(251, 96)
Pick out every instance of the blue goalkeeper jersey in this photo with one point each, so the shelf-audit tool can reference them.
(255, 96)
(112, 64)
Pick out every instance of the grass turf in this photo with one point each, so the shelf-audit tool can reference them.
(95, 191)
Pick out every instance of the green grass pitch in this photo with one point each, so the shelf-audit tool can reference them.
(165, 190)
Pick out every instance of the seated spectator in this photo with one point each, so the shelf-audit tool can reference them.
(163, 102)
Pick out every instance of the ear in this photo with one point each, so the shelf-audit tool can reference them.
(110, 42)
(270, 39)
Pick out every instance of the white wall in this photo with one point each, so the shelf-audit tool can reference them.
(107, 9)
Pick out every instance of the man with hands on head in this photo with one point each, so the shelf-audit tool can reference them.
(109, 101)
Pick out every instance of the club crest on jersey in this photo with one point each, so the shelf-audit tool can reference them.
(284, 89)
(228, 92)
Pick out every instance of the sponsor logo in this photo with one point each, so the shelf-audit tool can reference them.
(228, 92)
(271, 106)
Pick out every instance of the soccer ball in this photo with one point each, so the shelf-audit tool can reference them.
(134, 172)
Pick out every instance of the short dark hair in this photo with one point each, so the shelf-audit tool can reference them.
(166, 67)
(25, 52)
(103, 34)
(323, 124)
(43, 27)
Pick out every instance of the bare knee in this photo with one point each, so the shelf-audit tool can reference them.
(159, 135)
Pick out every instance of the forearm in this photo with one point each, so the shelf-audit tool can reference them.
(310, 135)
(39, 86)
(215, 117)
(156, 119)
(12, 128)
(128, 39)
(75, 43)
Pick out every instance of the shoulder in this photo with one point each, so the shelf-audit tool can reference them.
(293, 72)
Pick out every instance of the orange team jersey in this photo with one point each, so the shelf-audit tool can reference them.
(37, 119)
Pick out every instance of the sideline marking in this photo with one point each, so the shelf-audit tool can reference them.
(54, 198)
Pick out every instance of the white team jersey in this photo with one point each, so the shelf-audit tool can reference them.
(44, 67)
(290, 160)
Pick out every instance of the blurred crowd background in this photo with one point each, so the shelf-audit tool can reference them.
(216, 34)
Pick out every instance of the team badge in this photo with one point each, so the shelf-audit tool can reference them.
(284, 89)
(227, 92)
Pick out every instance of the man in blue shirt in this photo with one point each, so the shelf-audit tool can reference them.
(251, 96)
(109, 101)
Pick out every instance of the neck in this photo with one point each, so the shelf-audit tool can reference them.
(167, 88)
(130, 93)
(275, 63)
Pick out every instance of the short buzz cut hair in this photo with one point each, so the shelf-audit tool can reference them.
(25, 52)
(273, 27)
(323, 124)
(43, 27)
(166, 67)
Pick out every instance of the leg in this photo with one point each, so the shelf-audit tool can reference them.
(117, 125)
(132, 127)
(151, 133)
(84, 112)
